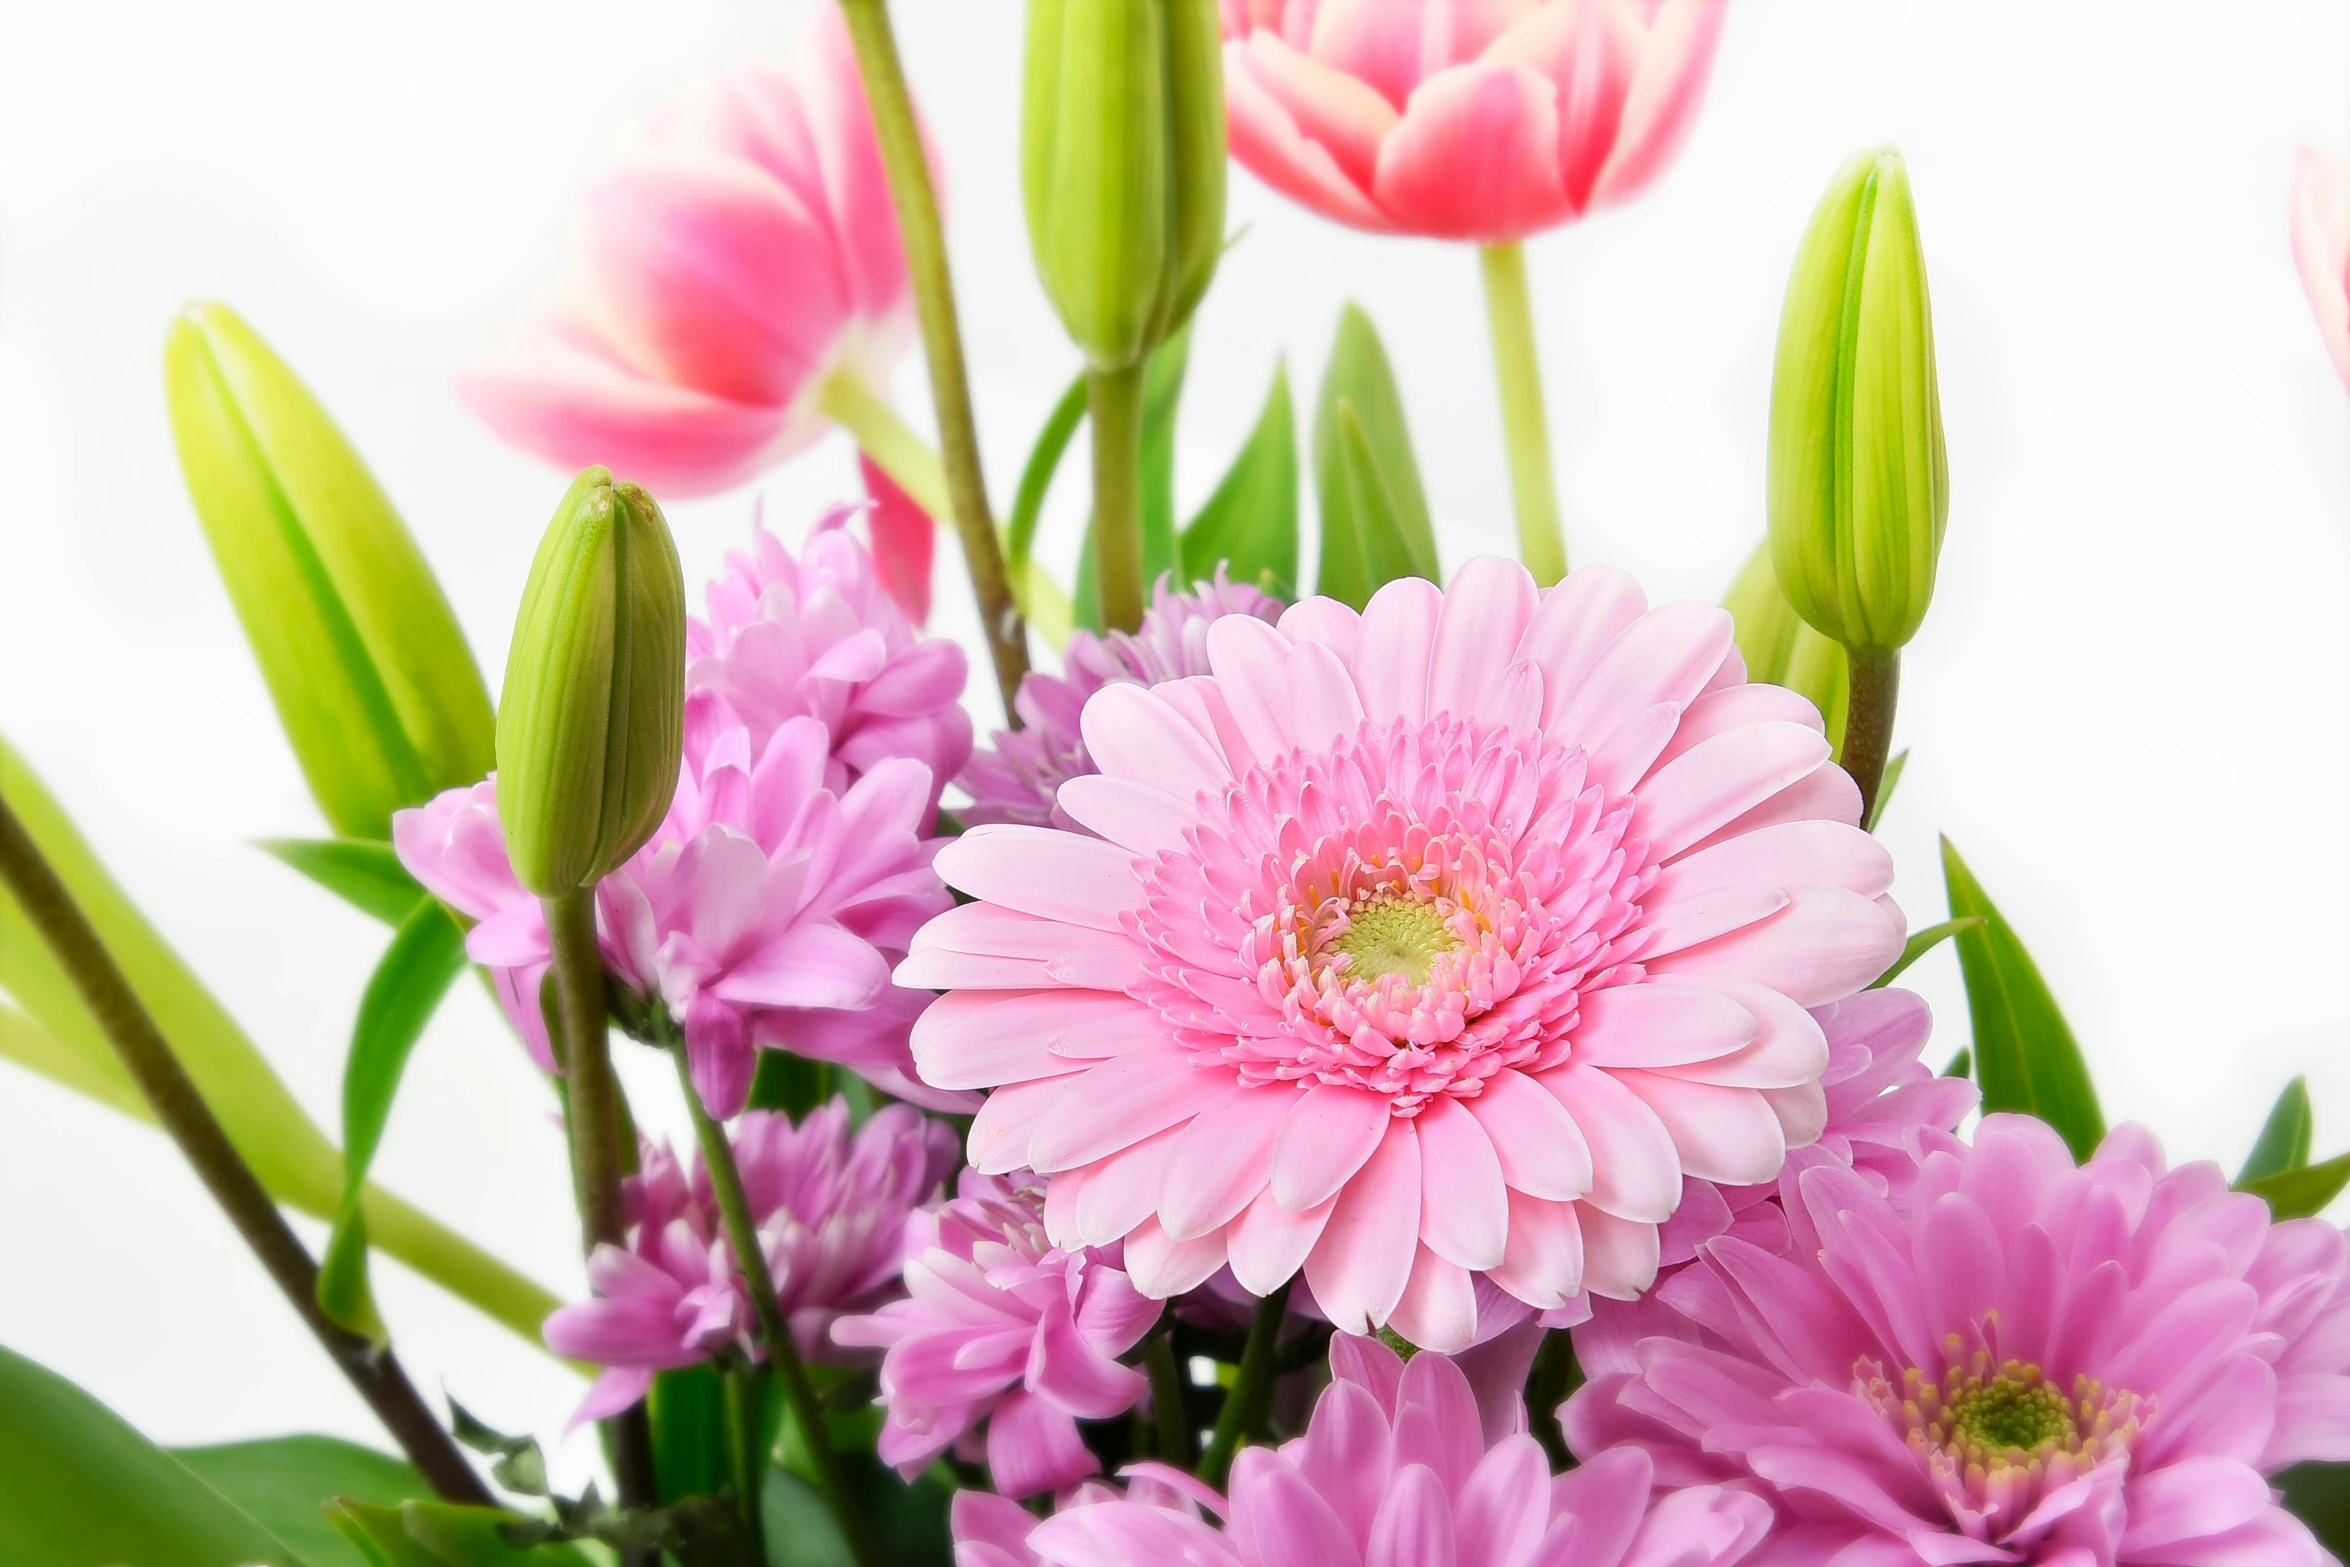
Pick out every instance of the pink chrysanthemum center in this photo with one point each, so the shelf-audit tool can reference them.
(1994, 1439)
(1412, 909)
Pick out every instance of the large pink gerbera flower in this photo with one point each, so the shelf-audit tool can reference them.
(2036, 1364)
(1434, 942)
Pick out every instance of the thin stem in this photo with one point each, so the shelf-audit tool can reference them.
(1509, 310)
(783, 1352)
(745, 1431)
(1114, 400)
(1868, 720)
(1554, 1376)
(592, 1115)
(180, 1109)
(1244, 1410)
(1158, 1363)
(942, 341)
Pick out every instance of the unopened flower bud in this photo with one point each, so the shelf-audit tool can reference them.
(1780, 649)
(1122, 166)
(593, 718)
(1859, 485)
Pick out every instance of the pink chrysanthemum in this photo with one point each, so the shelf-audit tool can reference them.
(831, 1207)
(1015, 779)
(1434, 942)
(2038, 1364)
(1394, 1470)
(764, 912)
(821, 637)
(1001, 1326)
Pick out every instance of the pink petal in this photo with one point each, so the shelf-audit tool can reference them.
(1393, 650)
(1543, 1262)
(1267, 1244)
(1358, 1269)
(1475, 157)
(1119, 1103)
(1438, 1308)
(814, 965)
(1485, 611)
(1329, 1134)
(1636, 1174)
(1054, 875)
(1222, 1161)
(1464, 1207)
(1728, 1135)
(1541, 1149)
(904, 541)
(1268, 142)
(1033, 1445)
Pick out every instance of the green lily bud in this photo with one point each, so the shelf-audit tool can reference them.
(1122, 166)
(372, 680)
(1779, 648)
(593, 717)
(1859, 484)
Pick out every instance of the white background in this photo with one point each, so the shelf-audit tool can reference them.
(2127, 706)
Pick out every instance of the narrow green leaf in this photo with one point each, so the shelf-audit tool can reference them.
(2319, 1495)
(2025, 1055)
(2301, 1193)
(80, 1488)
(909, 1520)
(1377, 546)
(286, 1483)
(1923, 942)
(2283, 1143)
(1036, 478)
(424, 958)
(1250, 523)
(690, 1448)
(1885, 788)
(363, 872)
(1358, 375)
(441, 1534)
(1961, 1065)
(29, 1045)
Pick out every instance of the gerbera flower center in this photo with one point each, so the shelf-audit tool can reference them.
(1395, 935)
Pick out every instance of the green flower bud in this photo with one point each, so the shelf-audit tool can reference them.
(372, 680)
(593, 717)
(1122, 166)
(1779, 648)
(1859, 485)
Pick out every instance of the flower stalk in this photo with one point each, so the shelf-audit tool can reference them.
(942, 342)
(783, 1354)
(1251, 1397)
(1114, 401)
(1517, 368)
(1166, 1379)
(1868, 723)
(180, 1109)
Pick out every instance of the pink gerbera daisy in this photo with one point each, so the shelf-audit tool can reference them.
(2036, 1364)
(1433, 942)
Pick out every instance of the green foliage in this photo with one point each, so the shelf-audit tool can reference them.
(363, 872)
(1036, 476)
(1885, 788)
(1375, 524)
(372, 679)
(424, 958)
(1250, 521)
(909, 1522)
(2319, 1495)
(80, 1488)
(286, 1484)
(1779, 648)
(443, 1534)
(2025, 1056)
(2302, 1193)
(1922, 942)
(2284, 1139)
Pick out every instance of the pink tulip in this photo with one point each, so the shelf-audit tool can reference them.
(714, 283)
(2321, 244)
(1483, 120)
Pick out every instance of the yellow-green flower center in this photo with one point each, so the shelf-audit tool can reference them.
(1395, 936)
(2012, 1413)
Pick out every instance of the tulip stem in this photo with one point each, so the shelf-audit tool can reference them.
(908, 167)
(1244, 1409)
(783, 1352)
(1114, 404)
(180, 1109)
(1868, 720)
(1166, 1379)
(1509, 311)
(592, 1117)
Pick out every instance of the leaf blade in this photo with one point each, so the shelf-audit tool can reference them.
(2284, 1138)
(1922, 942)
(1249, 523)
(1358, 375)
(2301, 1193)
(285, 1484)
(364, 872)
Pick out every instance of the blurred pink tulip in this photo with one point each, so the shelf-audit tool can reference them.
(1483, 120)
(747, 251)
(2321, 244)
(904, 542)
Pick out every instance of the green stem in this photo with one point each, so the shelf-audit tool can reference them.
(783, 1353)
(592, 1116)
(745, 1433)
(1509, 310)
(1868, 720)
(1158, 1362)
(1555, 1375)
(902, 155)
(1114, 403)
(1244, 1410)
(179, 1108)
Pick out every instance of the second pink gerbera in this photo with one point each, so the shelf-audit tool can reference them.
(1433, 942)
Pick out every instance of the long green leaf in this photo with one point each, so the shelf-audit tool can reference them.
(2283, 1143)
(1893, 769)
(1923, 942)
(286, 1150)
(80, 1488)
(363, 872)
(2301, 1193)
(1036, 478)
(424, 958)
(441, 1534)
(286, 1483)
(2025, 1056)
(1358, 551)
(1249, 524)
